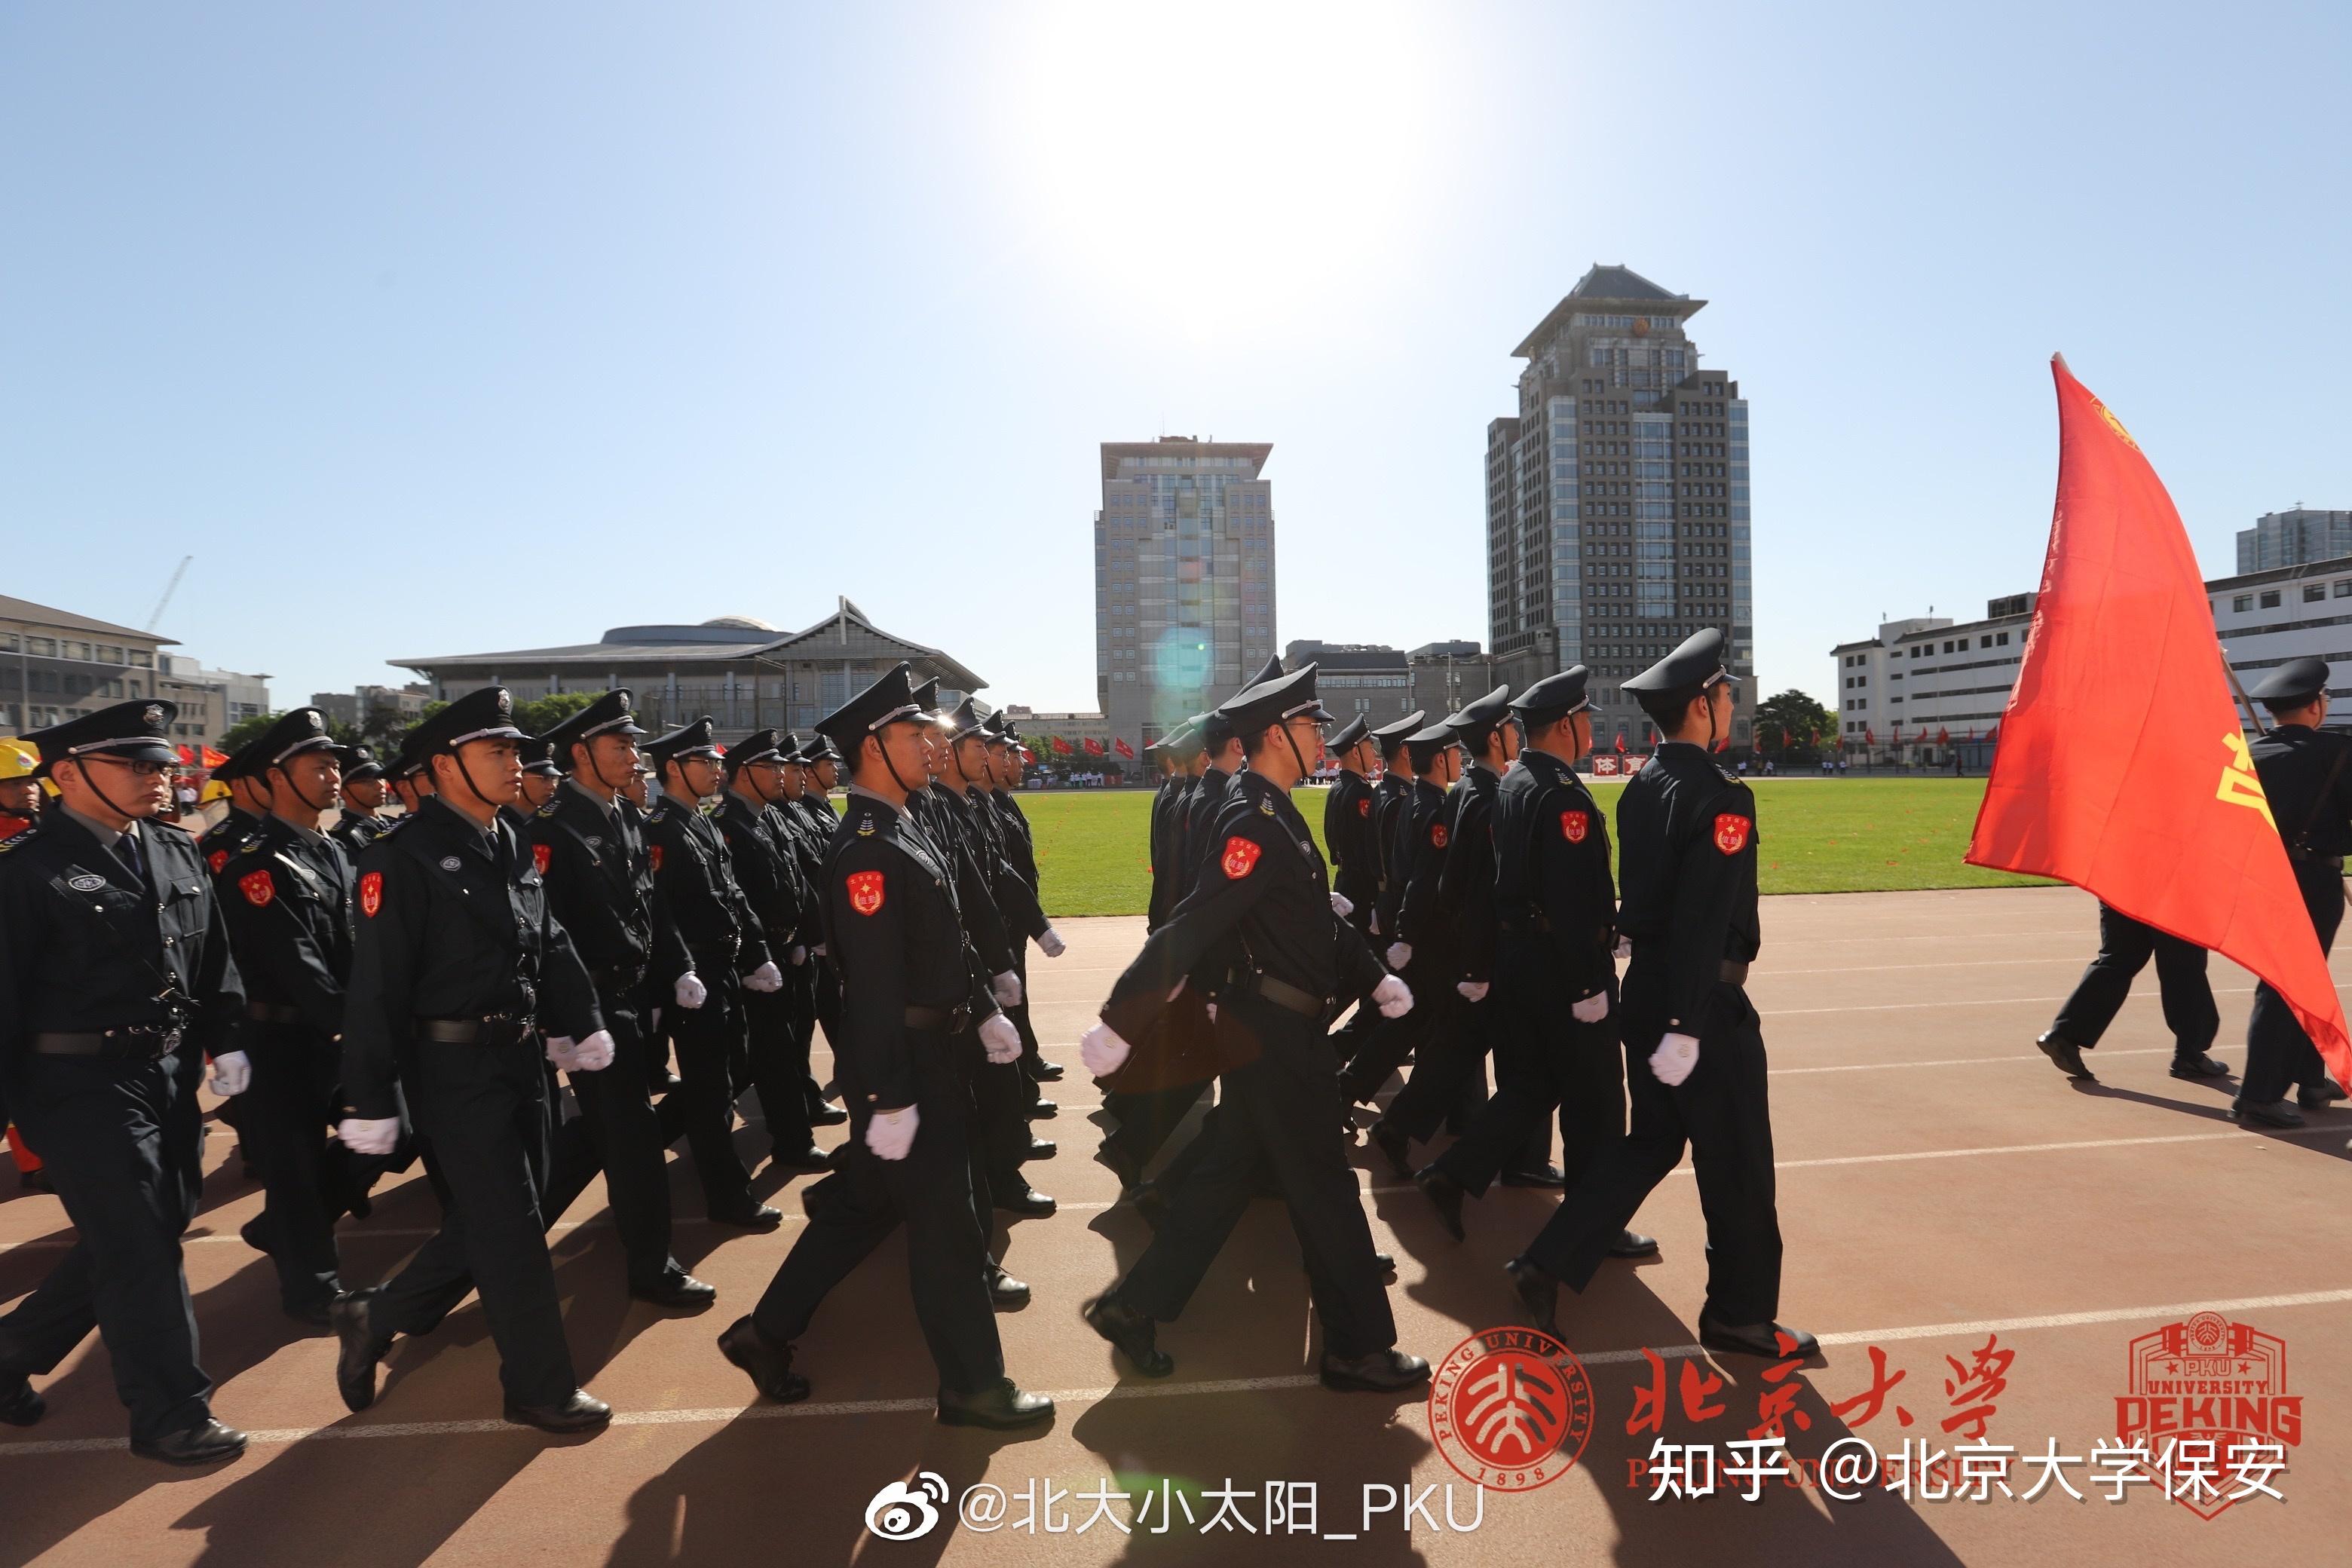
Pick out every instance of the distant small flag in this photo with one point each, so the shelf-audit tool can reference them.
(187, 757)
(1123, 749)
(1621, 743)
(1943, 737)
(1063, 748)
(213, 759)
(1869, 736)
(1094, 747)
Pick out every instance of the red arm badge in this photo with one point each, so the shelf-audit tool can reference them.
(1240, 857)
(257, 888)
(540, 855)
(371, 893)
(1574, 825)
(1731, 832)
(865, 891)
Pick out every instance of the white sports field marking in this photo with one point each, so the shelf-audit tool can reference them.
(721, 1416)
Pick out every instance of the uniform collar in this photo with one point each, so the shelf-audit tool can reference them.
(901, 812)
(106, 836)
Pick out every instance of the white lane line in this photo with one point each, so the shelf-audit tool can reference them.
(1970, 1002)
(719, 1415)
(1958, 1062)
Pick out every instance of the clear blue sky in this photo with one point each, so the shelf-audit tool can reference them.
(444, 327)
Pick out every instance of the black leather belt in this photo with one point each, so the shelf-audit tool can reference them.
(2332, 862)
(1282, 993)
(136, 1042)
(951, 1020)
(501, 1030)
(618, 976)
(270, 1013)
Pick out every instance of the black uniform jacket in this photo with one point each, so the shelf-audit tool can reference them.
(1465, 881)
(454, 924)
(1263, 890)
(86, 944)
(897, 939)
(1553, 892)
(1347, 834)
(694, 878)
(600, 888)
(768, 870)
(286, 897)
(1687, 842)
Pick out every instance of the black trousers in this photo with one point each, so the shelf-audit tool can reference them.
(1145, 1119)
(712, 1050)
(482, 1111)
(800, 984)
(1420, 1036)
(1544, 1061)
(2279, 1054)
(2124, 947)
(618, 1132)
(120, 1140)
(853, 1210)
(294, 1098)
(1274, 1120)
(1722, 1113)
(778, 1050)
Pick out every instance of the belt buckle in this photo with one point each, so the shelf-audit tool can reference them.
(167, 1042)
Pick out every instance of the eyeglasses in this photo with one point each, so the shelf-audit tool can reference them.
(145, 768)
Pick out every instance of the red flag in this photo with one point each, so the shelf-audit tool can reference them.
(1897, 738)
(211, 758)
(1028, 758)
(187, 757)
(2159, 813)
(1124, 749)
(1943, 736)
(1061, 747)
(1869, 736)
(1094, 747)
(1621, 744)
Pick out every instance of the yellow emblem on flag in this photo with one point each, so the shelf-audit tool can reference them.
(2239, 783)
(2115, 424)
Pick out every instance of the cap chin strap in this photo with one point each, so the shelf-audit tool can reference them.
(457, 755)
(598, 769)
(882, 747)
(126, 816)
(1292, 741)
(315, 807)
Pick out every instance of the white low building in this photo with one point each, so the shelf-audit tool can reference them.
(1927, 687)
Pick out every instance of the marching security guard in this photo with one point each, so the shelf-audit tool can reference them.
(540, 776)
(1000, 779)
(797, 827)
(286, 893)
(2307, 771)
(247, 805)
(365, 789)
(1453, 892)
(460, 979)
(1393, 790)
(1686, 852)
(1167, 814)
(590, 850)
(910, 986)
(2124, 947)
(694, 877)
(1555, 973)
(821, 764)
(785, 905)
(1347, 827)
(1262, 894)
(1416, 858)
(115, 981)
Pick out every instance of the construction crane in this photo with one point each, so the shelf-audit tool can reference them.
(170, 588)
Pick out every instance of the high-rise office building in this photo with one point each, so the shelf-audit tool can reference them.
(1183, 579)
(2296, 537)
(1617, 511)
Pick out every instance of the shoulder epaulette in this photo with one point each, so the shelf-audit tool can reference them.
(659, 813)
(18, 840)
(547, 810)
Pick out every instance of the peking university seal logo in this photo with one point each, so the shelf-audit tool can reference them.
(1510, 1408)
(2208, 1390)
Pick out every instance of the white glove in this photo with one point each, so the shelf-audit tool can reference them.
(594, 1054)
(363, 1137)
(691, 992)
(1051, 944)
(1006, 988)
(1591, 1010)
(1473, 989)
(891, 1133)
(1342, 906)
(765, 978)
(1624, 947)
(232, 1073)
(1102, 1051)
(563, 1050)
(1673, 1061)
(1000, 1039)
(798, 955)
(1375, 923)
(1392, 998)
(1400, 954)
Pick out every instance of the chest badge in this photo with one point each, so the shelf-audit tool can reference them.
(541, 856)
(450, 862)
(1574, 825)
(88, 882)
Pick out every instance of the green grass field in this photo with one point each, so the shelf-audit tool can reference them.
(1818, 836)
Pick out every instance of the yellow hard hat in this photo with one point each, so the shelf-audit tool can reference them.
(213, 789)
(17, 760)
